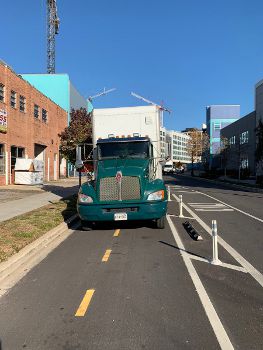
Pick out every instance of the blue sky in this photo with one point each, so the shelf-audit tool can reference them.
(189, 54)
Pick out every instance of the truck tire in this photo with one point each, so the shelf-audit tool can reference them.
(160, 223)
(86, 225)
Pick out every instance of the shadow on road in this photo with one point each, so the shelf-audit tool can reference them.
(62, 191)
(113, 225)
(180, 249)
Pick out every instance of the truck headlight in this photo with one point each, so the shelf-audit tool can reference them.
(83, 198)
(156, 196)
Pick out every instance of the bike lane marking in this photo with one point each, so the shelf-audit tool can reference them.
(230, 206)
(238, 257)
(209, 207)
(210, 311)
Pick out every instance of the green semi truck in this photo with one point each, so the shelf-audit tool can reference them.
(127, 183)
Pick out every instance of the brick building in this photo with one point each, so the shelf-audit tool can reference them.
(29, 126)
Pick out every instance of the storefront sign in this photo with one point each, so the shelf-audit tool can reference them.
(3, 120)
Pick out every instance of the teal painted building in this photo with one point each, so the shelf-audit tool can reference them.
(218, 117)
(59, 89)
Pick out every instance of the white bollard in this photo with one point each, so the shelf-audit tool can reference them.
(180, 206)
(215, 260)
(169, 194)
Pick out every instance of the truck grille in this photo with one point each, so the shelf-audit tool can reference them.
(130, 188)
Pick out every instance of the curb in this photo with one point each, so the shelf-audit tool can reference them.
(19, 264)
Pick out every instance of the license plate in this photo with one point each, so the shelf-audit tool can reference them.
(120, 216)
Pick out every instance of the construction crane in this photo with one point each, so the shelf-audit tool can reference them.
(91, 98)
(104, 92)
(161, 107)
(52, 30)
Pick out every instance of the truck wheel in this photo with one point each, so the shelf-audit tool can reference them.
(160, 223)
(86, 225)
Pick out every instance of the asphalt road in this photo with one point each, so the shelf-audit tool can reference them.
(155, 288)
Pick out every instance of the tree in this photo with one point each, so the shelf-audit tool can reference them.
(78, 132)
(224, 152)
(197, 146)
(205, 157)
(259, 153)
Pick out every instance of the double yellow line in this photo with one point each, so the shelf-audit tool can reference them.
(82, 309)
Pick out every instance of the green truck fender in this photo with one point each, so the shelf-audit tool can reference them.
(153, 186)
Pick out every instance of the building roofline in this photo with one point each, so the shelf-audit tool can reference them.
(45, 74)
(249, 115)
(222, 106)
(127, 107)
(20, 77)
(259, 83)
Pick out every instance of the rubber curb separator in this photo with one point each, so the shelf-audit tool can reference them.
(192, 231)
(25, 254)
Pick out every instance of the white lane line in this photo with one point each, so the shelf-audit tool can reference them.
(202, 203)
(228, 266)
(238, 257)
(185, 191)
(210, 207)
(210, 311)
(184, 217)
(219, 209)
(207, 205)
(230, 206)
(179, 187)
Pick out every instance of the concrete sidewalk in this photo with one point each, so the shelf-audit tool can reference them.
(35, 198)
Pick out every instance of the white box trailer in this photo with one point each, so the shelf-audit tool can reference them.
(124, 121)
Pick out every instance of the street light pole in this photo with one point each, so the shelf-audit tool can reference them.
(79, 163)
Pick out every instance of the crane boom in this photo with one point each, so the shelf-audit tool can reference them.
(104, 92)
(52, 30)
(150, 102)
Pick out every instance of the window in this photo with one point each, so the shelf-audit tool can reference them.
(217, 126)
(44, 115)
(244, 163)
(244, 137)
(22, 103)
(232, 140)
(13, 99)
(2, 159)
(2, 93)
(36, 111)
(16, 152)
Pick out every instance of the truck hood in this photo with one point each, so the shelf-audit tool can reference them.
(128, 167)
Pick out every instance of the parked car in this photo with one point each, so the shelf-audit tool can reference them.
(179, 170)
(168, 169)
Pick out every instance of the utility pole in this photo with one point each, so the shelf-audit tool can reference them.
(52, 30)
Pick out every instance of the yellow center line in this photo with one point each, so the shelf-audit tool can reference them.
(106, 255)
(116, 232)
(85, 303)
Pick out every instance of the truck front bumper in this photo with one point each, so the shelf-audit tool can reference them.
(135, 211)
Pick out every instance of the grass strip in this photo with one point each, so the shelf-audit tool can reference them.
(16, 233)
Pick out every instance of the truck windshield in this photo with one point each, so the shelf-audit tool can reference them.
(124, 150)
